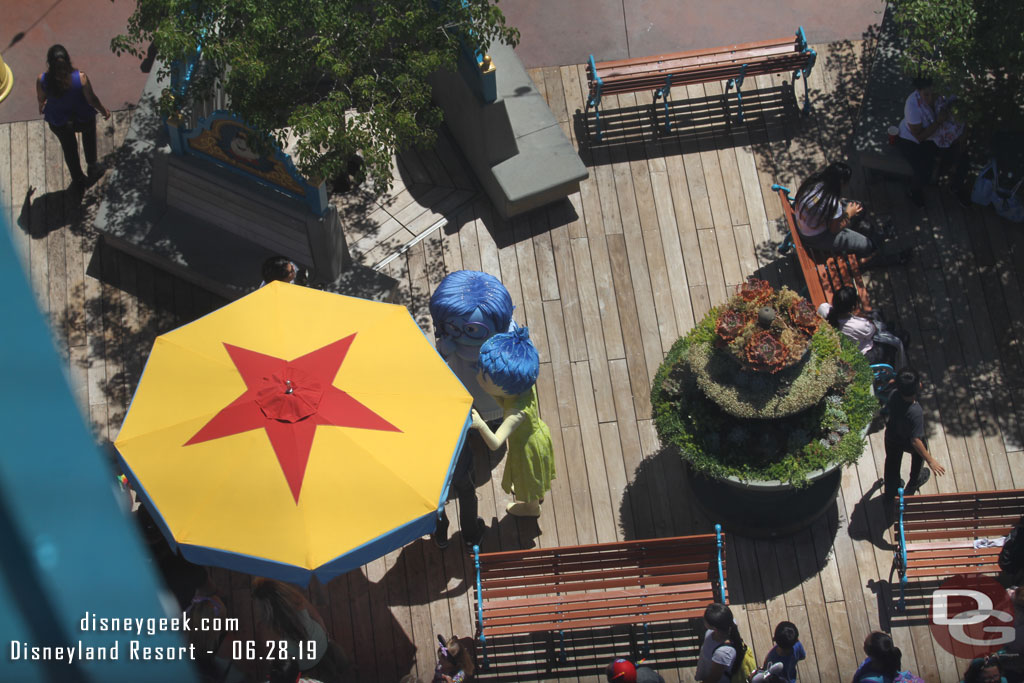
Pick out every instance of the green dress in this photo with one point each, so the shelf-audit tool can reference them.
(530, 461)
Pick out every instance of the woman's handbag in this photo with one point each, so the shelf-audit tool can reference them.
(984, 190)
(1008, 203)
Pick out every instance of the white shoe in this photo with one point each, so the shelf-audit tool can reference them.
(519, 509)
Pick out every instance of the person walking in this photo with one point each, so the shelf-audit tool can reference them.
(69, 105)
(904, 433)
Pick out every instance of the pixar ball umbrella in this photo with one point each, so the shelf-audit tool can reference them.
(294, 432)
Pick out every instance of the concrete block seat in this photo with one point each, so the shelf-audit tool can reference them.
(515, 145)
(885, 94)
(208, 226)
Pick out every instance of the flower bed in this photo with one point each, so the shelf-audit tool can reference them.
(736, 404)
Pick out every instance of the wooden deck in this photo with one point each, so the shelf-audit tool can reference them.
(662, 230)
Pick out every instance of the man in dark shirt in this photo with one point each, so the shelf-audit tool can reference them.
(904, 433)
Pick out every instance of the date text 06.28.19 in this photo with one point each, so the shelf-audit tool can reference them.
(252, 650)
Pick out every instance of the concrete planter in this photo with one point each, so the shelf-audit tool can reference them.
(765, 509)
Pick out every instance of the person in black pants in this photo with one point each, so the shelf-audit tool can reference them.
(473, 527)
(69, 105)
(904, 433)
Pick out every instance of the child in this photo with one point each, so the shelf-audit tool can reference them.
(508, 370)
(454, 663)
(883, 662)
(788, 650)
(723, 648)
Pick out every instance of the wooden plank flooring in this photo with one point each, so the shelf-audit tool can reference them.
(663, 229)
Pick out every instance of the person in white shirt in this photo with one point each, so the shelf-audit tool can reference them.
(874, 340)
(928, 132)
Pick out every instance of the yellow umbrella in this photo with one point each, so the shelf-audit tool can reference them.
(294, 431)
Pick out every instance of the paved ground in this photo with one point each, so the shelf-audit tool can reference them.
(84, 27)
(553, 34)
(567, 31)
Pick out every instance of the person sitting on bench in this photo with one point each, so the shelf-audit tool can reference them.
(929, 132)
(872, 335)
(830, 223)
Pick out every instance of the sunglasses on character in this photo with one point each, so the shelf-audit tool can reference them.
(476, 331)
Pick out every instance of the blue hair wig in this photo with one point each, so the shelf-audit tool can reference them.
(464, 291)
(510, 359)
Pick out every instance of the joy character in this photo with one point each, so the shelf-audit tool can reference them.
(508, 371)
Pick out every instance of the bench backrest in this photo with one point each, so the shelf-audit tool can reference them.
(700, 66)
(600, 567)
(256, 215)
(824, 273)
(807, 264)
(949, 516)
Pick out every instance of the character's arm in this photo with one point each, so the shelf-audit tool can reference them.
(495, 439)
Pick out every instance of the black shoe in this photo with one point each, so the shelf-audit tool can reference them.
(440, 538)
(916, 484)
(475, 539)
(916, 197)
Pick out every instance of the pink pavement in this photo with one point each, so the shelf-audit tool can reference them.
(84, 27)
(554, 33)
(560, 32)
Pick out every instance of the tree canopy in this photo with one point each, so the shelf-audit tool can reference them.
(974, 48)
(345, 76)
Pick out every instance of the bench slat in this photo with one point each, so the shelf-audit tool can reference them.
(788, 41)
(530, 603)
(708, 65)
(677, 615)
(615, 563)
(545, 589)
(651, 545)
(937, 531)
(607, 608)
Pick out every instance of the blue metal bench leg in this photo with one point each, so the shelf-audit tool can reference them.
(483, 649)
(647, 642)
(595, 100)
(664, 92)
(561, 641)
(738, 82)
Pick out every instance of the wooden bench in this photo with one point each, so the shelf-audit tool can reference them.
(632, 582)
(731, 64)
(934, 534)
(824, 272)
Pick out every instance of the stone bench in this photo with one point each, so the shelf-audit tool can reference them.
(212, 227)
(516, 147)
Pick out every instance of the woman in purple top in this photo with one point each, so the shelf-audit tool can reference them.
(69, 105)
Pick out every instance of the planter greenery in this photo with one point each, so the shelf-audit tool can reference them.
(763, 389)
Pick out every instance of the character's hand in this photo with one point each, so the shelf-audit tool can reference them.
(854, 208)
(478, 421)
(937, 468)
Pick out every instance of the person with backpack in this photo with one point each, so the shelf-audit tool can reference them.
(904, 433)
(1011, 557)
(883, 662)
(724, 658)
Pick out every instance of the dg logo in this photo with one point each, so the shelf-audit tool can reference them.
(971, 616)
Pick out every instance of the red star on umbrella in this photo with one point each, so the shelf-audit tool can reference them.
(289, 399)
